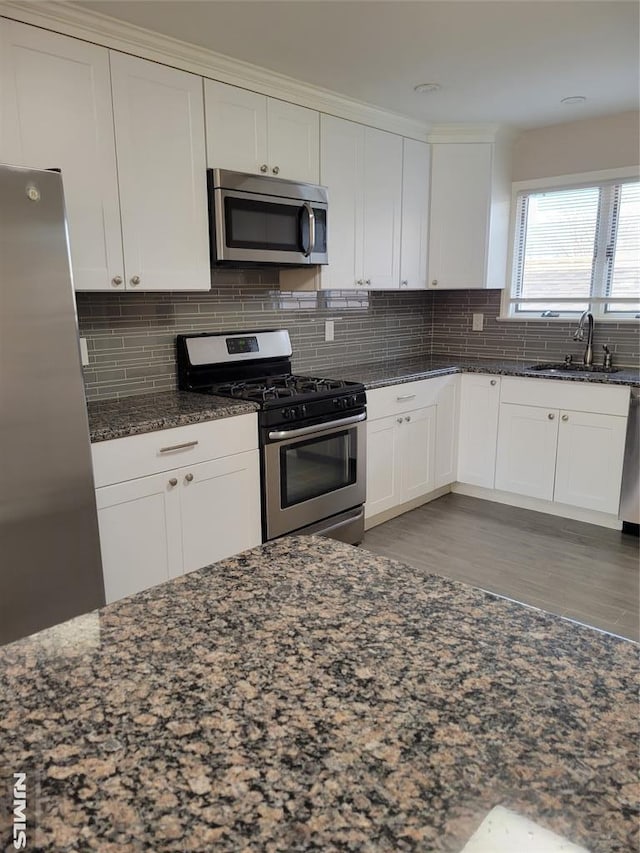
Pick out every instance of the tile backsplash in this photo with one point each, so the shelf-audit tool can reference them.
(131, 336)
(523, 340)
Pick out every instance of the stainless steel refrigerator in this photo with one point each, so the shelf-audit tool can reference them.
(50, 568)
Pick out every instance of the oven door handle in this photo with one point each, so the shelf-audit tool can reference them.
(277, 435)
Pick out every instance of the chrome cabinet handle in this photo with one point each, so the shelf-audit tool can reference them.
(264, 168)
(189, 478)
(434, 283)
(178, 446)
(135, 279)
(116, 280)
(276, 170)
(493, 382)
(565, 417)
(551, 416)
(408, 418)
(399, 420)
(173, 482)
(405, 397)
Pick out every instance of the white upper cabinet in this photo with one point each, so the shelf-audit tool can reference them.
(469, 215)
(381, 209)
(55, 105)
(415, 214)
(159, 131)
(249, 132)
(144, 224)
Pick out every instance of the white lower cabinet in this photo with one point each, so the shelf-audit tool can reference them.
(571, 456)
(478, 429)
(411, 446)
(159, 526)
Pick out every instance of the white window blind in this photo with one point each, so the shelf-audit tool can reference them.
(577, 248)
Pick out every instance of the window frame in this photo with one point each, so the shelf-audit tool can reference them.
(596, 302)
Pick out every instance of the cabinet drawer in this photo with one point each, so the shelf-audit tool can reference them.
(153, 452)
(555, 394)
(382, 402)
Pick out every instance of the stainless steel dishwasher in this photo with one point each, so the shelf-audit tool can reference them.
(630, 493)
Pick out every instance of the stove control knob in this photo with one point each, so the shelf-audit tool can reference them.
(286, 413)
(354, 400)
(303, 410)
(336, 404)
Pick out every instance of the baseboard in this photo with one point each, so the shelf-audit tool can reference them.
(575, 513)
(395, 511)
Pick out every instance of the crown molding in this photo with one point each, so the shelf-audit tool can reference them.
(65, 18)
(472, 133)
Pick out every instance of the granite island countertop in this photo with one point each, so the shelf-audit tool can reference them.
(141, 413)
(310, 696)
(396, 371)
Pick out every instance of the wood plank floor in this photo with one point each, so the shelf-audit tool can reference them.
(581, 571)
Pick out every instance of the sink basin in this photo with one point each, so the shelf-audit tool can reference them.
(562, 367)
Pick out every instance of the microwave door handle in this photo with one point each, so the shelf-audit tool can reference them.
(312, 228)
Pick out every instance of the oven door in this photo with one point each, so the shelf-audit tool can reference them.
(313, 473)
(268, 229)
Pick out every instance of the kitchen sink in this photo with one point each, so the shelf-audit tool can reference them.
(563, 367)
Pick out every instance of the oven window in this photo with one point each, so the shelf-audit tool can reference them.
(251, 224)
(317, 466)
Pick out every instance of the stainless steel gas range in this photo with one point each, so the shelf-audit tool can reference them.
(312, 431)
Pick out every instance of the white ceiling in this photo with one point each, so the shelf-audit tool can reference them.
(506, 61)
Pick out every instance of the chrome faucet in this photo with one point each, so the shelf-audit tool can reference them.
(578, 335)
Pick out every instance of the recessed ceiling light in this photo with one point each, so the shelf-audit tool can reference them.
(426, 88)
(574, 99)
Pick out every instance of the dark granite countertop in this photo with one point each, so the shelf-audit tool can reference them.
(392, 372)
(310, 696)
(148, 412)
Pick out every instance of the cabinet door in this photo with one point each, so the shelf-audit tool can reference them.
(526, 458)
(140, 536)
(383, 465)
(417, 436)
(55, 102)
(589, 464)
(447, 434)
(478, 429)
(459, 214)
(381, 209)
(415, 214)
(220, 506)
(341, 145)
(236, 128)
(293, 134)
(159, 128)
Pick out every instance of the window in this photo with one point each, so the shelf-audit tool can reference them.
(577, 248)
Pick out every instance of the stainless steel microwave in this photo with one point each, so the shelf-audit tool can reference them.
(262, 220)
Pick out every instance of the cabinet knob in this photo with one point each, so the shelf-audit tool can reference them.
(408, 418)
(434, 283)
(189, 478)
(276, 170)
(264, 168)
(135, 279)
(404, 283)
(565, 417)
(493, 382)
(173, 482)
(551, 416)
(399, 420)
(360, 282)
(368, 281)
(116, 281)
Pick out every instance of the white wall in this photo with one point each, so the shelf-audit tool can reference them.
(578, 146)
